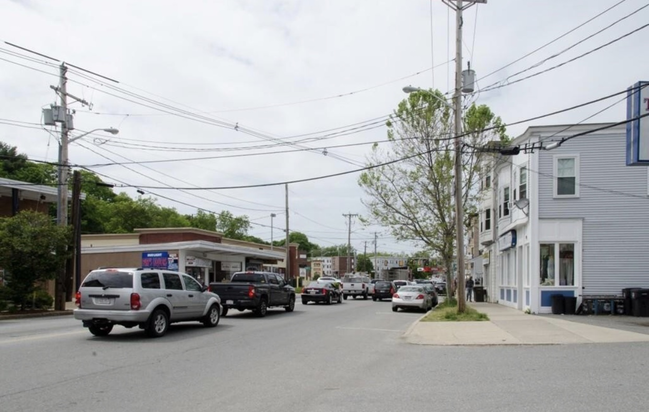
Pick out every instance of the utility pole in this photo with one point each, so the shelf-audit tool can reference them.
(272, 215)
(288, 252)
(365, 250)
(459, 203)
(376, 271)
(74, 267)
(62, 206)
(349, 238)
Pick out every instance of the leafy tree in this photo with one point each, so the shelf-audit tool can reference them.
(303, 240)
(232, 227)
(202, 220)
(340, 250)
(32, 249)
(413, 193)
(364, 264)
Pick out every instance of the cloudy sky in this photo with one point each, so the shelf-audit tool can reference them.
(231, 93)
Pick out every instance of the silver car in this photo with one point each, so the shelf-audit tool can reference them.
(411, 296)
(148, 298)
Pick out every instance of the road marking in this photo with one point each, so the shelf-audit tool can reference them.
(374, 329)
(38, 337)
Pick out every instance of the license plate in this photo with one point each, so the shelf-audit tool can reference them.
(229, 302)
(313, 292)
(102, 301)
(408, 297)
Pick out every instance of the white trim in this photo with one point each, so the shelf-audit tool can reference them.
(555, 175)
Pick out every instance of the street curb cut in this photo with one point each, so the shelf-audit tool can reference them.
(35, 315)
(413, 325)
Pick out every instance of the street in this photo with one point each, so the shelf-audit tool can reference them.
(347, 357)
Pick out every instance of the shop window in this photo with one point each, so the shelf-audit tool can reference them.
(566, 172)
(561, 272)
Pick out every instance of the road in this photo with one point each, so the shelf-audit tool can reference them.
(347, 357)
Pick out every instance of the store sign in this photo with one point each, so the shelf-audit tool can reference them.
(155, 260)
(637, 130)
(302, 272)
(197, 262)
(507, 241)
(231, 266)
(485, 258)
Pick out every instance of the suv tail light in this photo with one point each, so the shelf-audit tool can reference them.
(363, 285)
(77, 299)
(135, 301)
(251, 291)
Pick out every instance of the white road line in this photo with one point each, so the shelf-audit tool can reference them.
(373, 329)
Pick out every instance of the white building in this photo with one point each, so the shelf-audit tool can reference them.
(571, 221)
(326, 264)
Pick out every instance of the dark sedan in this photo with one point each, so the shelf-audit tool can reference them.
(383, 289)
(322, 292)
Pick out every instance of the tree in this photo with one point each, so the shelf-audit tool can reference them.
(410, 188)
(232, 227)
(303, 240)
(202, 220)
(364, 264)
(340, 250)
(32, 250)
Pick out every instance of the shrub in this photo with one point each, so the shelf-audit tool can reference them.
(40, 299)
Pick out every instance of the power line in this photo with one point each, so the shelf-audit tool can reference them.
(554, 40)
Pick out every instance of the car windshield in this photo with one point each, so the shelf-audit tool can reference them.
(248, 278)
(315, 285)
(383, 284)
(411, 289)
(109, 279)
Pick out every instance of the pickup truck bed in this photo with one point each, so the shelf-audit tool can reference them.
(256, 291)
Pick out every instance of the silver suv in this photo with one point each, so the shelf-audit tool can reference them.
(148, 298)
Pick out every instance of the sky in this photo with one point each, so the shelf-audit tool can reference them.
(241, 93)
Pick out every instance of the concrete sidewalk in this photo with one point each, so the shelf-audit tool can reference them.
(512, 327)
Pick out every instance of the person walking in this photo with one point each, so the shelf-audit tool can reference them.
(469, 289)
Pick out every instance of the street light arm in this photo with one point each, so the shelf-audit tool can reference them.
(411, 89)
(108, 130)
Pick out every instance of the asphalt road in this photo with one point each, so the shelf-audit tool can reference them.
(347, 357)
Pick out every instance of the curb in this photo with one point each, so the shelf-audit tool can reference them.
(413, 325)
(35, 315)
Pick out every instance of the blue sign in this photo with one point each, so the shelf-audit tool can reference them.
(155, 260)
(637, 130)
(507, 241)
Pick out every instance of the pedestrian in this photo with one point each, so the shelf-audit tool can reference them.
(469, 289)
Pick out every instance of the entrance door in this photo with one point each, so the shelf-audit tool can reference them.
(520, 265)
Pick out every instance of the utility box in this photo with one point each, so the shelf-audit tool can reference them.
(468, 80)
(48, 117)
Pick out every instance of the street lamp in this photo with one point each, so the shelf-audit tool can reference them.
(272, 215)
(110, 130)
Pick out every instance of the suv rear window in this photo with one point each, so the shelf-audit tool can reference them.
(248, 277)
(109, 279)
(383, 283)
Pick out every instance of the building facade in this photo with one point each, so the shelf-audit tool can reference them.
(571, 221)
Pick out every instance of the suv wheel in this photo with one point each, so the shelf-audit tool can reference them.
(345, 297)
(158, 324)
(365, 296)
(213, 316)
(262, 309)
(100, 330)
(291, 304)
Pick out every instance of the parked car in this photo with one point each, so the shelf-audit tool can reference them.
(328, 279)
(383, 289)
(327, 292)
(430, 289)
(411, 297)
(355, 286)
(399, 283)
(147, 298)
(255, 291)
(440, 287)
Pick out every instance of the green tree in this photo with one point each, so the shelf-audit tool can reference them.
(413, 193)
(202, 220)
(339, 250)
(303, 240)
(364, 264)
(232, 227)
(32, 249)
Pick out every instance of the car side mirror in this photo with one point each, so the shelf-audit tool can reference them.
(204, 288)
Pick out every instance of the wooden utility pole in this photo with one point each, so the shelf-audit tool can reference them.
(349, 239)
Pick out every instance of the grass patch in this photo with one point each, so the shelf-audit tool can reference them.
(447, 312)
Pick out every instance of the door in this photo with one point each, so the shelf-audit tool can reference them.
(196, 299)
(177, 296)
(276, 291)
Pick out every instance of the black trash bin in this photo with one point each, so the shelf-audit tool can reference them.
(558, 302)
(479, 293)
(640, 298)
(570, 305)
(628, 302)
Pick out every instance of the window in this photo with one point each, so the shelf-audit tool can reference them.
(522, 185)
(487, 219)
(487, 182)
(272, 279)
(564, 267)
(172, 281)
(150, 280)
(566, 172)
(191, 284)
(503, 210)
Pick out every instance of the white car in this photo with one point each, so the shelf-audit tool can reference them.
(412, 296)
(400, 283)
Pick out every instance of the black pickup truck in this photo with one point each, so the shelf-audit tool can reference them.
(256, 291)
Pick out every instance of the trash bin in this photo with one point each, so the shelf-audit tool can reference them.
(640, 298)
(628, 302)
(479, 293)
(570, 305)
(557, 304)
